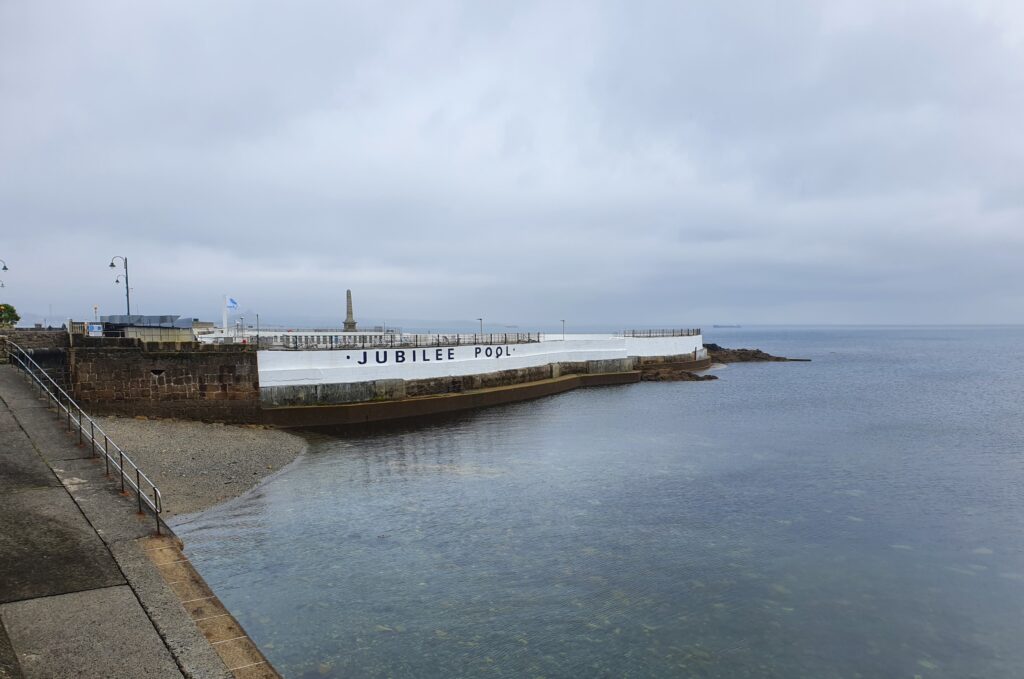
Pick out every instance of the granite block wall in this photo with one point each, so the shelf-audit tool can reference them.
(180, 381)
(37, 338)
(391, 389)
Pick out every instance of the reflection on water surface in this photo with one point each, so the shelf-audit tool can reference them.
(858, 516)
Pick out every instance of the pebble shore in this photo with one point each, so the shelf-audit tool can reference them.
(196, 464)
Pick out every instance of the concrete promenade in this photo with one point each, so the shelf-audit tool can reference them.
(79, 595)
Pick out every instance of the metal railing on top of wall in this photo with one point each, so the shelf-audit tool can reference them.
(364, 341)
(685, 332)
(89, 433)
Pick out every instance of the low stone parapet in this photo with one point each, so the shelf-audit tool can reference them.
(37, 338)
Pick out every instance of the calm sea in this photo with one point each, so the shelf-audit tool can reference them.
(861, 515)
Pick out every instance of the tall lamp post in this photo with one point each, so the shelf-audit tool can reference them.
(563, 329)
(481, 327)
(5, 265)
(127, 295)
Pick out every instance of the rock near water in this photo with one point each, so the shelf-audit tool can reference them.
(720, 354)
(673, 374)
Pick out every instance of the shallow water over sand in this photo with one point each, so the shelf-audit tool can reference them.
(860, 515)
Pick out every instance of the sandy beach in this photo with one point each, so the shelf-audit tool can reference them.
(197, 465)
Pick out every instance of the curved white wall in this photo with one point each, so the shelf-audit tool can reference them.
(339, 366)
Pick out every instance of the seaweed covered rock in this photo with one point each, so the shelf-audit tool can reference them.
(673, 374)
(720, 354)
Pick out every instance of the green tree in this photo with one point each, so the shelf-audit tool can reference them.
(8, 316)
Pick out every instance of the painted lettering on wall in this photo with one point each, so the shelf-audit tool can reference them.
(441, 354)
(490, 352)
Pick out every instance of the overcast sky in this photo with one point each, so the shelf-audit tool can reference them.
(608, 163)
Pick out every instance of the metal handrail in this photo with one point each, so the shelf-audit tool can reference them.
(113, 455)
(406, 340)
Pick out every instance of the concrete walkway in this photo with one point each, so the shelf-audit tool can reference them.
(79, 597)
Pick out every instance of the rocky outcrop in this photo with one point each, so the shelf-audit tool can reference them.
(678, 368)
(673, 374)
(720, 354)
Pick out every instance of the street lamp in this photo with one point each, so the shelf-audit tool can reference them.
(481, 326)
(5, 265)
(563, 329)
(127, 295)
(117, 281)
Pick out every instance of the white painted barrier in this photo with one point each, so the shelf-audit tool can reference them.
(289, 368)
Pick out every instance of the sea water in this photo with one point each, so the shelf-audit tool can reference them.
(861, 515)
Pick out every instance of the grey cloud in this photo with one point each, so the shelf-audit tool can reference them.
(661, 162)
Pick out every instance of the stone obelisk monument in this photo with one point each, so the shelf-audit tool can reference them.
(350, 321)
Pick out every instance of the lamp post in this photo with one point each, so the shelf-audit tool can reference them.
(481, 327)
(127, 295)
(5, 265)
(563, 329)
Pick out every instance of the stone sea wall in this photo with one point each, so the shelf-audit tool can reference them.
(349, 366)
(235, 383)
(347, 414)
(37, 338)
(48, 348)
(186, 381)
(397, 389)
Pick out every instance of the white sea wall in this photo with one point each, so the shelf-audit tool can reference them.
(341, 366)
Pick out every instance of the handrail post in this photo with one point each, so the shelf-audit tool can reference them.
(120, 466)
(79, 426)
(138, 489)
